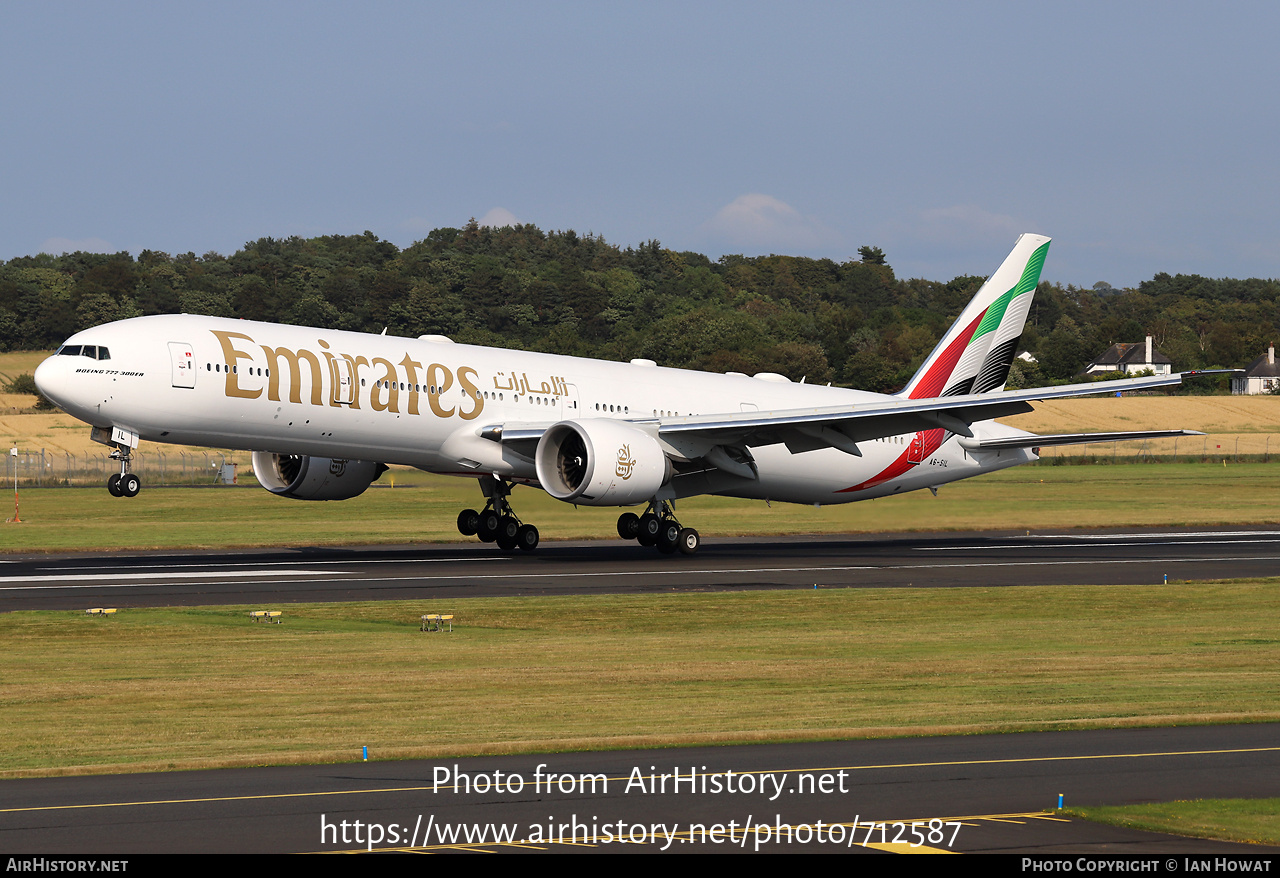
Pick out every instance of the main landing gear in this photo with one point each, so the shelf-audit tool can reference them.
(124, 484)
(658, 527)
(497, 522)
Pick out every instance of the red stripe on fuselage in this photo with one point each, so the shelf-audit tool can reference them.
(932, 439)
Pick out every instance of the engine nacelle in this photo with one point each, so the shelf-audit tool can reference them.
(600, 462)
(314, 478)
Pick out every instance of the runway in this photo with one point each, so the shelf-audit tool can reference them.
(989, 794)
(436, 571)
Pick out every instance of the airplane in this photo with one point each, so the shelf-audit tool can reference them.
(325, 412)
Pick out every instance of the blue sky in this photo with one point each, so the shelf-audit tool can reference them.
(1141, 136)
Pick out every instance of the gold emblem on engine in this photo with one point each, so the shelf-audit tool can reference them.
(626, 463)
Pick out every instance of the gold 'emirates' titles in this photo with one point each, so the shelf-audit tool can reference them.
(344, 378)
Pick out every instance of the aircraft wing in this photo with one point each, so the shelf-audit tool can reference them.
(843, 427)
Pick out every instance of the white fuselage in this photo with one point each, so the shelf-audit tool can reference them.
(210, 381)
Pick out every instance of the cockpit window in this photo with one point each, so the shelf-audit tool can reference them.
(93, 352)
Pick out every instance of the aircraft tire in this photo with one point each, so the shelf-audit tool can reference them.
(468, 522)
(130, 485)
(113, 485)
(508, 527)
(487, 528)
(650, 527)
(689, 541)
(669, 536)
(506, 542)
(628, 525)
(527, 537)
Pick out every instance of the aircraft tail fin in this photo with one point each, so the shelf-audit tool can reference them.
(975, 354)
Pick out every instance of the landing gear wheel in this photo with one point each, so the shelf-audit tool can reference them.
(688, 541)
(130, 485)
(113, 485)
(468, 522)
(669, 537)
(508, 527)
(628, 525)
(506, 541)
(527, 537)
(487, 528)
(650, 527)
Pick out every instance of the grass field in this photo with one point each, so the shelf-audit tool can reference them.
(156, 689)
(1249, 820)
(423, 508)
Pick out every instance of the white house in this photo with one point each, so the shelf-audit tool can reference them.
(1130, 358)
(1260, 376)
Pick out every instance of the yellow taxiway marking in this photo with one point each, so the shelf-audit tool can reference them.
(625, 778)
(904, 848)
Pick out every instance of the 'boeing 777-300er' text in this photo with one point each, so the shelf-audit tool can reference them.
(324, 412)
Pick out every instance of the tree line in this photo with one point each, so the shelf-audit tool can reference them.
(851, 323)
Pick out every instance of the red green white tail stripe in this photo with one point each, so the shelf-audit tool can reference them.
(974, 355)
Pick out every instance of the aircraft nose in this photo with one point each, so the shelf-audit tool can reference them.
(44, 379)
(51, 380)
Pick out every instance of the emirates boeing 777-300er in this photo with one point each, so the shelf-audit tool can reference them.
(324, 412)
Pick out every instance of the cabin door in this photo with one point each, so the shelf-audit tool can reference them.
(915, 451)
(344, 385)
(569, 406)
(183, 361)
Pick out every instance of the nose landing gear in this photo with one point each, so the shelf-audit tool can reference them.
(125, 483)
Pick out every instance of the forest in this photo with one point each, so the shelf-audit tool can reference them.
(850, 323)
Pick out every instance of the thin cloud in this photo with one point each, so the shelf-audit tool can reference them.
(757, 221)
(499, 217)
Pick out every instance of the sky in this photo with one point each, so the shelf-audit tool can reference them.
(1141, 136)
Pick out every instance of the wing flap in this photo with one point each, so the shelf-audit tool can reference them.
(1033, 441)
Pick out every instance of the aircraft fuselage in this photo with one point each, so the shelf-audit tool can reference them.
(207, 381)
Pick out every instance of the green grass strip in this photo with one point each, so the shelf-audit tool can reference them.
(423, 508)
(1256, 821)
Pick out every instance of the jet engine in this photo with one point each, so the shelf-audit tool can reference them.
(600, 462)
(314, 478)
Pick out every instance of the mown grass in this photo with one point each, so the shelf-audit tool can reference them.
(155, 689)
(1256, 821)
(1029, 498)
